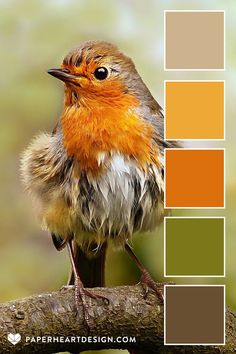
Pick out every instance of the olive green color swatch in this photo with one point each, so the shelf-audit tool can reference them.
(194, 246)
(194, 314)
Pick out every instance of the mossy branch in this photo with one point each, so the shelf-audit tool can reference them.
(127, 315)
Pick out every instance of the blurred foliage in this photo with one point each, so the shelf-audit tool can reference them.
(34, 36)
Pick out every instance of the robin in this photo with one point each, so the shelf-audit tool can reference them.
(98, 177)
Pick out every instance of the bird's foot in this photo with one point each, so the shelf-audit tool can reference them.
(148, 283)
(80, 298)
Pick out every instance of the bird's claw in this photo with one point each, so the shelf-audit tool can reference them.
(80, 299)
(148, 283)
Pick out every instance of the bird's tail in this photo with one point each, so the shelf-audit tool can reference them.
(91, 269)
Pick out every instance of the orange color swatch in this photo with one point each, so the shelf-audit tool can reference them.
(194, 109)
(194, 178)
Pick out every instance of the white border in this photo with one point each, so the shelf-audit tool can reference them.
(192, 139)
(192, 285)
(224, 247)
(188, 207)
(176, 69)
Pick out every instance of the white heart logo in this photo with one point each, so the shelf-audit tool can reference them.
(14, 338)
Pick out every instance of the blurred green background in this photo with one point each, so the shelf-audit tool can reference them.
(34, 36)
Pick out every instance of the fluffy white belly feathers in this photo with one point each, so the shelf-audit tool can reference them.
(121, 200)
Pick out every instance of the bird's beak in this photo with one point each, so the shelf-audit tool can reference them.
(62, 74)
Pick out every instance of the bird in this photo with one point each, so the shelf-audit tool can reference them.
(98, 178)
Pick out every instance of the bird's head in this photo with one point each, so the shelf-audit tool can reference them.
(98, 71)
(105, 106)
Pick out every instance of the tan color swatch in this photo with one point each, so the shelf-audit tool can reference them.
(194, 110)
(194, 40)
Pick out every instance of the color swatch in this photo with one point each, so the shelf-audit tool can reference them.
(194, 178)
(194, 315)
(194, 110)
(194, 40)
(194, 246)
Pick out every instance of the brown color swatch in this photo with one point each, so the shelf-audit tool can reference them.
(194, 40)
(194, 178)
(194, 315)
(194, 109)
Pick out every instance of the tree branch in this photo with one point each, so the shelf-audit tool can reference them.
(127, 314)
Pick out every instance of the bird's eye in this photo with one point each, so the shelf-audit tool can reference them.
(101, 73)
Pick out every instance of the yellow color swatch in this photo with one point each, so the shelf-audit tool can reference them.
(194, 109)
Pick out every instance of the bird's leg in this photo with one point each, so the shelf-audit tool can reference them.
(146, 280)
(79, 287)
(80, 291)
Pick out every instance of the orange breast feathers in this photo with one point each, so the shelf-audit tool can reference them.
(97, 126)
